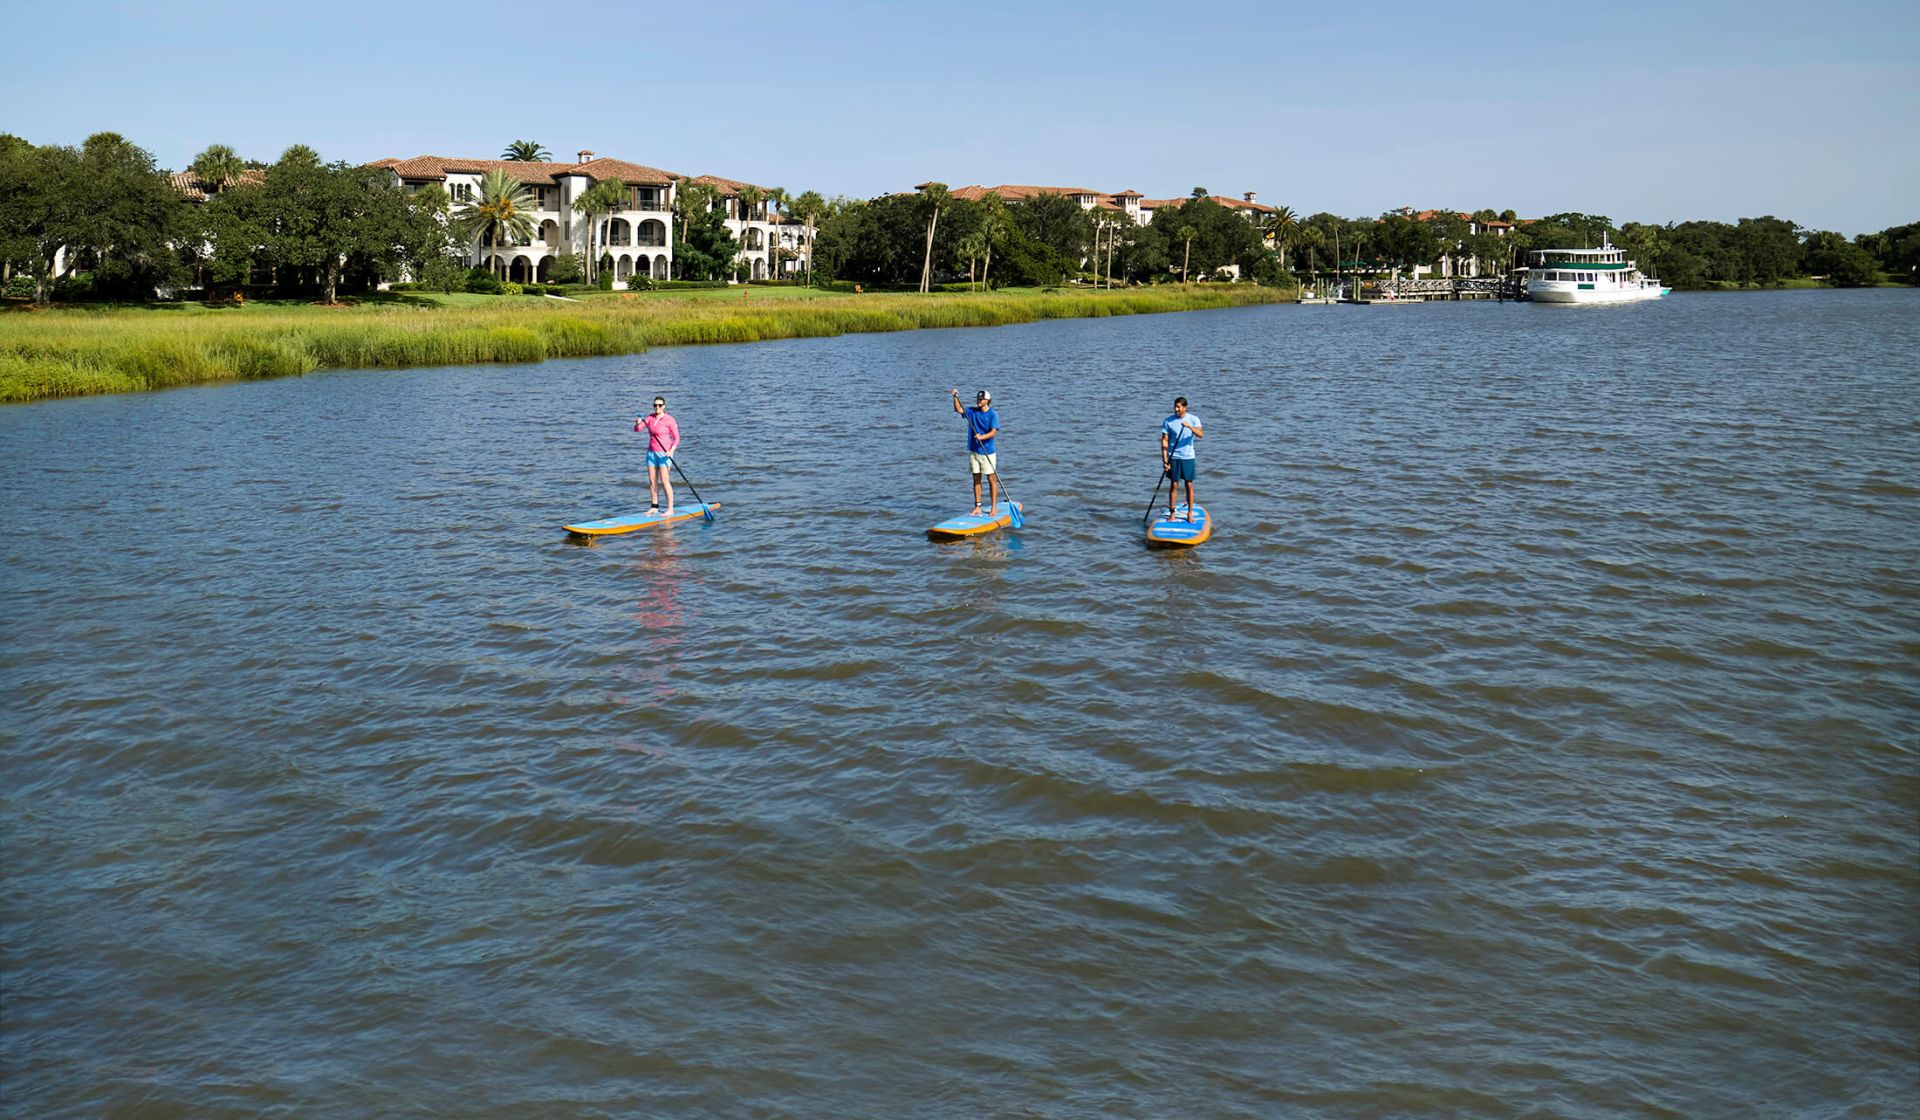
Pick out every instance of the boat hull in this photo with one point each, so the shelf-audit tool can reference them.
(1562, 294)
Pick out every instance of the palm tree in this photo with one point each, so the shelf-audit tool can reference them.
(690, 199)
(526, 151)
(1099, 231)
(809, 206)
(502, 208)
(974, 245)
(750, 197)
(1281, 226)
(1186, 234)
(937, 194)
(219, 167)
(778, 197)
(603, 197)
(993, 227)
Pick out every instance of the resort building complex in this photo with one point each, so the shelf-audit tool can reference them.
(638, 237)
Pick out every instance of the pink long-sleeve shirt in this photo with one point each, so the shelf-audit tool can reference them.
(663, 432)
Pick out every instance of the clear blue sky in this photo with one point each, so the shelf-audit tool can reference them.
(1641, 111)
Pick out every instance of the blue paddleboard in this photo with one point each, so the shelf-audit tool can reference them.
(627, 523)
(1178, 532)
(973, 524)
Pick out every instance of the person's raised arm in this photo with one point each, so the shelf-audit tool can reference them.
(958, 411)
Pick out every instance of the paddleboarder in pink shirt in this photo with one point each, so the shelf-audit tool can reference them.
(663, 436)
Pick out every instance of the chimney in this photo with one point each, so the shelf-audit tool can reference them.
(585, 156)
(1248, 196)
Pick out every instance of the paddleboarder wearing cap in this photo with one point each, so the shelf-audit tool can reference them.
(1177, 433)
(983, 423)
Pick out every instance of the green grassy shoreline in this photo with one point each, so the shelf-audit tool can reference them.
(74, 352)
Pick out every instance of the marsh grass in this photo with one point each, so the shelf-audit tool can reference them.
(54, 353)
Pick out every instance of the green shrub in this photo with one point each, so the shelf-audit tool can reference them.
(20, 287)
(482, 282)
(567, 269)
(512, 288)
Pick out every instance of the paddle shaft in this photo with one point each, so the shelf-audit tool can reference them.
(1155, 500)
(704, 509)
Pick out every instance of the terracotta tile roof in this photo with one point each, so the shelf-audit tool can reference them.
(727, 188)
(527, 171)
(196, 189)
(1224, 200)
(1494, 223)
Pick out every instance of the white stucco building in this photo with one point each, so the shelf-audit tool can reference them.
(638, 237)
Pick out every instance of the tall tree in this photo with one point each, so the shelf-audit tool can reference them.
(128, 217)
(707, 249)
(1187, 233)
(973, 246)
(40, 208)
(936, 195)
(330, 217)
(604, 197)
(749, 199)
(809, 207)
(526, 151)
(994, 226)
(1281, 225)
(691, 202)
(502, 210)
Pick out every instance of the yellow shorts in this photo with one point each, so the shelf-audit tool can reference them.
(980, 464)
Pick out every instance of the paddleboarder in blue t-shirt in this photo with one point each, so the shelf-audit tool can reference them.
(983, 423)
(1177, 433)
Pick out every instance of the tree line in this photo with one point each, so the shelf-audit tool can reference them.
(305, 224)
(912, 240)
(1752, 252)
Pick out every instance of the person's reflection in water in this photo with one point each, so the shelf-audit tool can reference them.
(660, 618)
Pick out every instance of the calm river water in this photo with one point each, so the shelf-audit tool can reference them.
(1535, 738)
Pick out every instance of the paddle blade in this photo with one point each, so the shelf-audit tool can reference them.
(1015, 518)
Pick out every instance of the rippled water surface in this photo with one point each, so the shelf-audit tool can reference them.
(1535, 737)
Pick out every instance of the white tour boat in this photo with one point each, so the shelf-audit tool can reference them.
(1602, 275)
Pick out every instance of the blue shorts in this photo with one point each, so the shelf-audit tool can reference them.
(1180, 470)
(658, 458)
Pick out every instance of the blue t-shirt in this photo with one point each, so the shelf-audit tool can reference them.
(1179, 439)
(980, 421)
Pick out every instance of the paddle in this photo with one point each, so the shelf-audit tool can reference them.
(1018, 519)
(706, 511)
(1155, 500)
